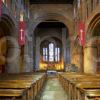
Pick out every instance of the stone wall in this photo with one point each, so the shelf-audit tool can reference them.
(49, 33)
(61, 12)
(88, 16)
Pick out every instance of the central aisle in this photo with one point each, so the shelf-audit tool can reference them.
(53, 90)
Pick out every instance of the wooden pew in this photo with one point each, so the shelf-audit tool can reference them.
(86, 86)
(91, 94)
(13, 94)
(71, 79)
(73, 85)
(23, 81)
(19, 84)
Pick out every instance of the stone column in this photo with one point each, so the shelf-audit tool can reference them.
(76, 53)
(81, 59)
(13, 60)
(68, 55)
(13, 52)
(37, 53)
(90, 56)
(64, 46)
(28, 55)
(31, 53)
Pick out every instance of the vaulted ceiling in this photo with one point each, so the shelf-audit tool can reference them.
(51, 1)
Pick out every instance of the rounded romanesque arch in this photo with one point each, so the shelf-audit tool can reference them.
(50, 37)
(66, 38)
(9, 45)
(92, 25)
(92, 49)
(52, 16)
(45, 16)
(55, 64)
(5, 19)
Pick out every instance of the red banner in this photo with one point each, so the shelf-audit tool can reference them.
(0, 8)
(81, 33)
(21, 37)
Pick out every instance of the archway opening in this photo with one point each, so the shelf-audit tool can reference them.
(6, 45)
(96, 44)
(55, 34)
(92, 50)
(51, 55)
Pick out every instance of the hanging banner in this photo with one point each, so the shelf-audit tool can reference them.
(21, 38)
(81, 33)
(0, 8)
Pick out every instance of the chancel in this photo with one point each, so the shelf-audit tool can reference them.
(49, 49)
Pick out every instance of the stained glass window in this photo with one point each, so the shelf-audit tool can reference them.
(45, 56)
(51, 53)
(56, 54)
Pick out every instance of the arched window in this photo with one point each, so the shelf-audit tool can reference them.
(45, 54)
(51, 53)
(57, 54)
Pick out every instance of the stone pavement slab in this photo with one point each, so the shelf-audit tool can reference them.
(53, 91)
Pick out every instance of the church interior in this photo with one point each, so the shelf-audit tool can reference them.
(49, 50)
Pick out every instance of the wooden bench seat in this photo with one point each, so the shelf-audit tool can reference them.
(13, 94)
(31, 83)
(74, 82)
(90, 94)
(19, 85)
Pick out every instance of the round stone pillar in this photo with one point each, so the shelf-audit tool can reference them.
(90, 59)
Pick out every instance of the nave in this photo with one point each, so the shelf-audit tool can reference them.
(38, 37)
(40, 86)
(53, 90)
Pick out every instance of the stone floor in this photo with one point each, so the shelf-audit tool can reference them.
(53, 91)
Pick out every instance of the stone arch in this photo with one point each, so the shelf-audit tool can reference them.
(52, 39)
(94, 21)
(8, 36)
(44, 17)
(91, 49)
(44, 38)
(57, 44)
(53, 16)
(59, 18)
(11, 23)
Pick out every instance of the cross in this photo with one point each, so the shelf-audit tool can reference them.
(21, 30)
(81, 34)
